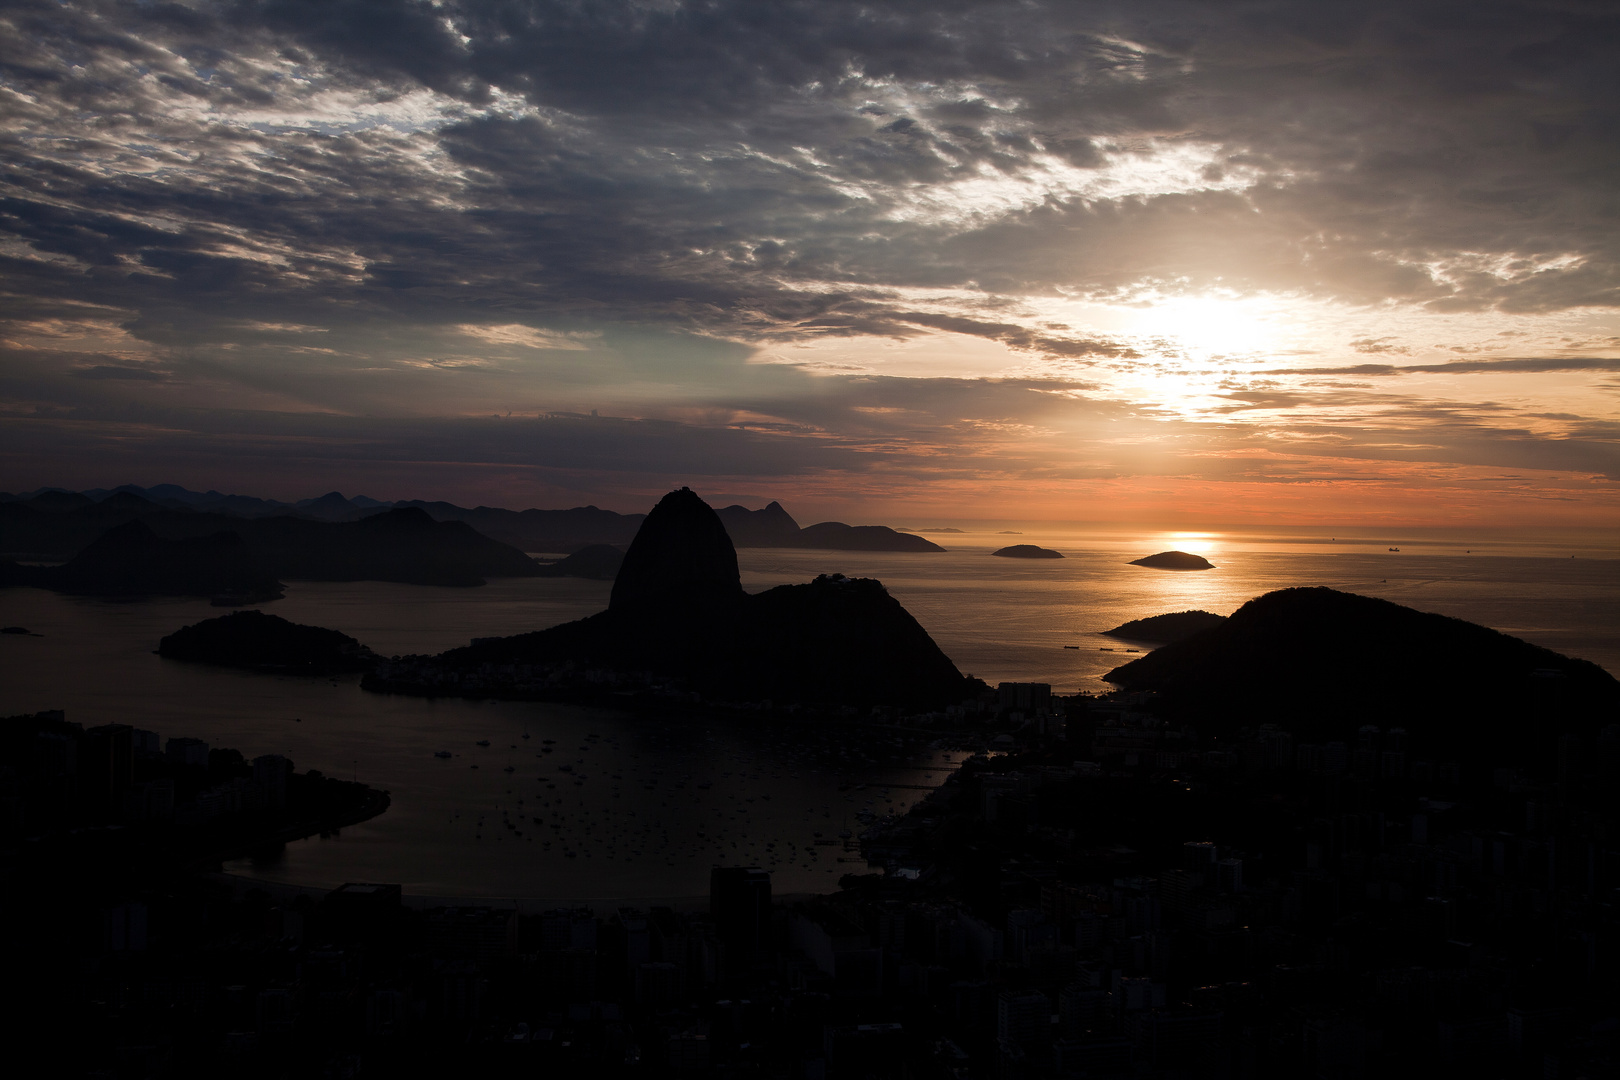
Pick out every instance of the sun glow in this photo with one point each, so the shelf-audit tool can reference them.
(1210, 327)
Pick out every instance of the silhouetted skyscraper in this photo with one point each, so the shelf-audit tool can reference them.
(740, 903)
(107, 767)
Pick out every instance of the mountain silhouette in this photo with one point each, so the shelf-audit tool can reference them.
(678, 612)
(598, 561)
(131, 560)
(57, 524)
(1322, 662)
(681, 563)
(774, 527)
(168, 552)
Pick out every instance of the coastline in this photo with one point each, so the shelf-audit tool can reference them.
(526, 905)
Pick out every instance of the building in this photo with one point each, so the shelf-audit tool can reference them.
(186, 751)
(1025, 697)
(1024, 1018)
(740, 905)
(270, 776)
(839, 948)
(107, 768)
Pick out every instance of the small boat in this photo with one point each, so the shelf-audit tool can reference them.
(1394, 549)
(1071, 646)
(483, 742)
(509, 768)
(1105, 648)
(525, 734)
(442, 754)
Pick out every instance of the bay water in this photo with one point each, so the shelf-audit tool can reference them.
(649, 803)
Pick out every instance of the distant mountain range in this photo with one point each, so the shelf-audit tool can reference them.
(127, 545)
(71, 520)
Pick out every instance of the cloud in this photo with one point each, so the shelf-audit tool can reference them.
(111, 371)
(1527, 365)
(550, 207)
(527, 336)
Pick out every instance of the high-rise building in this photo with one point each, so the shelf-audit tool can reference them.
(270, 774)
(1024, 1018)
(740, 905)
(107, 768)
(1025, 696)
(186, 751)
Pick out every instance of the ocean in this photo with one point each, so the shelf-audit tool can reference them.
(649, 803)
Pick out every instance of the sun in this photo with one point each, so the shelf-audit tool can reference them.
(1212, 326)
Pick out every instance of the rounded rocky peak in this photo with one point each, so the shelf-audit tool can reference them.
(681, 558)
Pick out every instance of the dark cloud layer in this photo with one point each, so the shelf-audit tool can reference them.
(294, 204)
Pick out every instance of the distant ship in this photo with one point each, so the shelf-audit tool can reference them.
(442, 754)
(1394, 549)
(483, 742)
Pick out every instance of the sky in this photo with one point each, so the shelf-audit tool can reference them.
(1286, 263)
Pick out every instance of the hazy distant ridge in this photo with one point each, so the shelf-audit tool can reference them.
(562, 531)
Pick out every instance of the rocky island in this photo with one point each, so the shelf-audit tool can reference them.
(1027, 551)
(252, 639)
(1163, 629)
(1174, 560)
(679, 622)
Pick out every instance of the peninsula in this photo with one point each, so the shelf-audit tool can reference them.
(1163, 629)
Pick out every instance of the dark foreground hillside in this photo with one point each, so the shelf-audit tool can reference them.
(1326, 662)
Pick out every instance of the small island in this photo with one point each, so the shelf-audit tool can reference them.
(1164, 629)
(252, 639)
(1027, 551)
(1174, 560)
